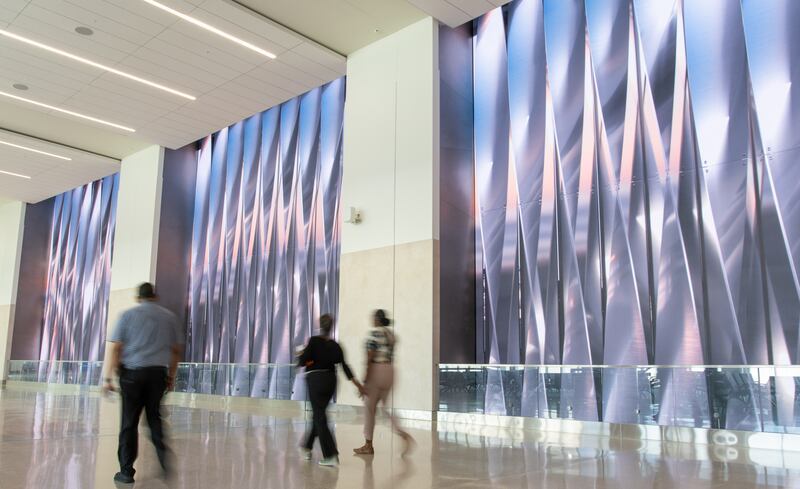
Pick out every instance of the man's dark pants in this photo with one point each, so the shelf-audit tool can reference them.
(142, 389)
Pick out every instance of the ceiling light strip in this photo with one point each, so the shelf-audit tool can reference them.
(6, 143)
(26, 177)
(95, 64)
(68, 112)
(200, 23)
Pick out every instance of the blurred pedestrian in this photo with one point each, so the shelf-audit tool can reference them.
(379, 381)
(145, 347)
(320, 357)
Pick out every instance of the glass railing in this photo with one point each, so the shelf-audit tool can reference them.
(747, 398)
(56, 372)
(269, 381)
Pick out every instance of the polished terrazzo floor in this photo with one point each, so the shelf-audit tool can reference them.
(68, 440)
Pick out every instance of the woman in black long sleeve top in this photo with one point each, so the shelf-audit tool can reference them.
(320, 357)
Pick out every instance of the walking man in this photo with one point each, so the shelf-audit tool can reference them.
(145, 347)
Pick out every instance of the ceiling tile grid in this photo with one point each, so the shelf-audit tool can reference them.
(229, 81)
(40, 176)
(138, 38)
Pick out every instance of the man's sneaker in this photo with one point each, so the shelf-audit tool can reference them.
(123, 478)
(330, 461)
(306, 453)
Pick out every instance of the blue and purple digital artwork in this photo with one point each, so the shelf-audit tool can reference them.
(81, 239)
(265, 243)
(636, 166)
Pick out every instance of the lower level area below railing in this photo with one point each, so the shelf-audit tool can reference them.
(742, 398)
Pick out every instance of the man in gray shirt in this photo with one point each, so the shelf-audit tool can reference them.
(146, 345)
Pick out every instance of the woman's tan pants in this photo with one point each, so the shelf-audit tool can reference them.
(378, 389)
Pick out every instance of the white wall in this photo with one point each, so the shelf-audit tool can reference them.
(12, 221)
(391, 129)
(138, 212)
(391, 173)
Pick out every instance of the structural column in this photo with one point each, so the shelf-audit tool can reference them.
(391, 168)
(136, 234)
(12, 221)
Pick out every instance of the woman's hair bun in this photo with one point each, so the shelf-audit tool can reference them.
(380, 315)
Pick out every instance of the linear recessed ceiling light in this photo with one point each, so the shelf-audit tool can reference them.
(6, 143)
(68, 112)
(95, 64)
(200, 23)
(15, 174)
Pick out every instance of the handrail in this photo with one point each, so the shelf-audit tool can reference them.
(465, 365)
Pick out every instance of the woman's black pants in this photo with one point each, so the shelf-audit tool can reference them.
(321, 388)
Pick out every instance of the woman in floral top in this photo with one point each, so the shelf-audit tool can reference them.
(379, 380)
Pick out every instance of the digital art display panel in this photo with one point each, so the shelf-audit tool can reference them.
(265, 243)
(79, 275)
(636, 171)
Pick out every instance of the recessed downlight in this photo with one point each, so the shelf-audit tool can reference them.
(20, 86)
(84, 31)
(89, 62)
(68, 112)
(25, 148)
(210, 28)
(26, 177)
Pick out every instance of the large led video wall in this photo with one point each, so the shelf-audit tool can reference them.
(78, 274)
(637, 208)
(636, 182)
(264, 255)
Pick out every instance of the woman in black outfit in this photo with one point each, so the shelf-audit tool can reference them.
(320, 357)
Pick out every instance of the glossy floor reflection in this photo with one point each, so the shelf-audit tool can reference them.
(51, 440)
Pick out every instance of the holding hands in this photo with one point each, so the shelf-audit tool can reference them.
(362, 391)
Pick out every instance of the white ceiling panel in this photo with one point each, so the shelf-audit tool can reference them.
(61, 23)
(456, 12)
(15, 5)
(66, 39)
(229, 81)
(36, 76)
(7, 15)
(48, 175)
(180, 77)
(258, 86)
(280, 81)
(162, 53)
(255, 25)
(58, 67)
(95, 20)
(324, 58)
(280, 68)
(139, 9)
(300, 62)
(475, 8)
(443, 11)
(231, 19)
(41, 85)
(177, 44)
(137, 94)
(111, 10)
(212, 108)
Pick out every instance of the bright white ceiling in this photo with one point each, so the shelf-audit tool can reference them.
(342, 25)
(48, 175)
(229, 81)
(456, 12)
